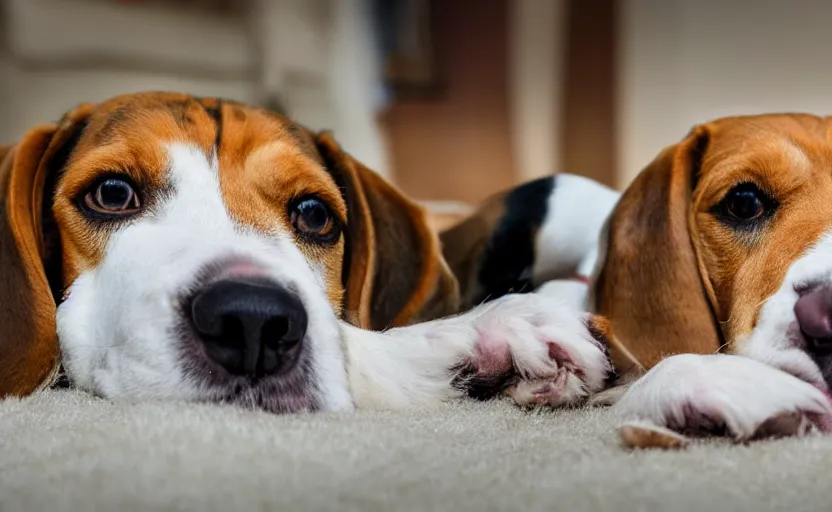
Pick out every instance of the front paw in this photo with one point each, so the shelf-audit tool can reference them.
(537, 351)
(719, 394)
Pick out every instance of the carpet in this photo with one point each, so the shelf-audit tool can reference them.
(66, 450)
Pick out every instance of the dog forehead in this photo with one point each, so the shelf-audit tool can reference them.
(132, 133)
(746, 134)
(184, 118)
(781, 152)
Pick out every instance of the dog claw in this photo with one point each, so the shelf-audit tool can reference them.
(551, 392)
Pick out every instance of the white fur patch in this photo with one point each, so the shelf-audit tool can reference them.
(411, 366)
(697, 392)
(117, 327)
(568, 239)
(569, 291)
(773, 339)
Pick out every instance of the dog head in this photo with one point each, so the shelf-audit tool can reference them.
(201, 249)
(724, 243)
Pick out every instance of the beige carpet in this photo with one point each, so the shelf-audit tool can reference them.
(69, 451)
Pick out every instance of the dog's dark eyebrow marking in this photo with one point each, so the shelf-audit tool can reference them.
(179, 109)
(239, 113)
(304, 140)
(214, 109)
(697, 153)
(116, 117)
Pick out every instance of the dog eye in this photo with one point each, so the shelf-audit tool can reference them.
(745, 203)
(112, 196)
(311, 217)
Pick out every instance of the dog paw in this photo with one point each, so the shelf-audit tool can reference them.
(563, 389)
(718, 394)
(537, 351)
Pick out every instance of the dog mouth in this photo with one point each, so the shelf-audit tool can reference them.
(818, 352)
(290, 391)
(285, 394)
(824, 363)
(820, 347)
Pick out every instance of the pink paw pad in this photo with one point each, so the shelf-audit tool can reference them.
(564, 360)
(492, 356)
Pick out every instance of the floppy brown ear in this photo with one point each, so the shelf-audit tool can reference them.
(394, 272)
(29, 353)
(649, 285)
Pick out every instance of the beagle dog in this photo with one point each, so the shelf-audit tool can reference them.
(716, 277)
(163, 246)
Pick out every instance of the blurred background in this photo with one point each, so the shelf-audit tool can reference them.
(451, 99)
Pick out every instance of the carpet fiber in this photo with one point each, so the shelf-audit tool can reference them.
(64, 450)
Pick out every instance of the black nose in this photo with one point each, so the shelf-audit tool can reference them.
(813, 311)
(250, 328)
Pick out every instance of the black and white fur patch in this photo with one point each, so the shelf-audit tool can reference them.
(549, 230)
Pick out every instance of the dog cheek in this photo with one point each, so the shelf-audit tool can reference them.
(77, 333)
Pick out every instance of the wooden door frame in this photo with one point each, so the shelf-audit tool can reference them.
(563, 88)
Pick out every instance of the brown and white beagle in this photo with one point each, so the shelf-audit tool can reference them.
(716, 276)
(160, 245)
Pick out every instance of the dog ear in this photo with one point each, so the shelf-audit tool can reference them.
(394, 272)
(650, 285)
(29, 352)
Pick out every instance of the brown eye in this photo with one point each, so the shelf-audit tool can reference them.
(744, 203)
(112, 196)
(311, 218)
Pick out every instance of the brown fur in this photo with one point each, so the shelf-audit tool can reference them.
(676, 279)
(28, 346)
(464, 244)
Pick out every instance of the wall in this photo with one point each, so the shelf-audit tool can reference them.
(588, 138)
(315, 55)
(58, 53)
(28, 98)
(684, 62)
(458, 147)
(537, 40)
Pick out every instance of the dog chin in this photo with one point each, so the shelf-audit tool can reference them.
(294, 390)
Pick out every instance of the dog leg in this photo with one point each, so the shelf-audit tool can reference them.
(720, 394)
(528, 346)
